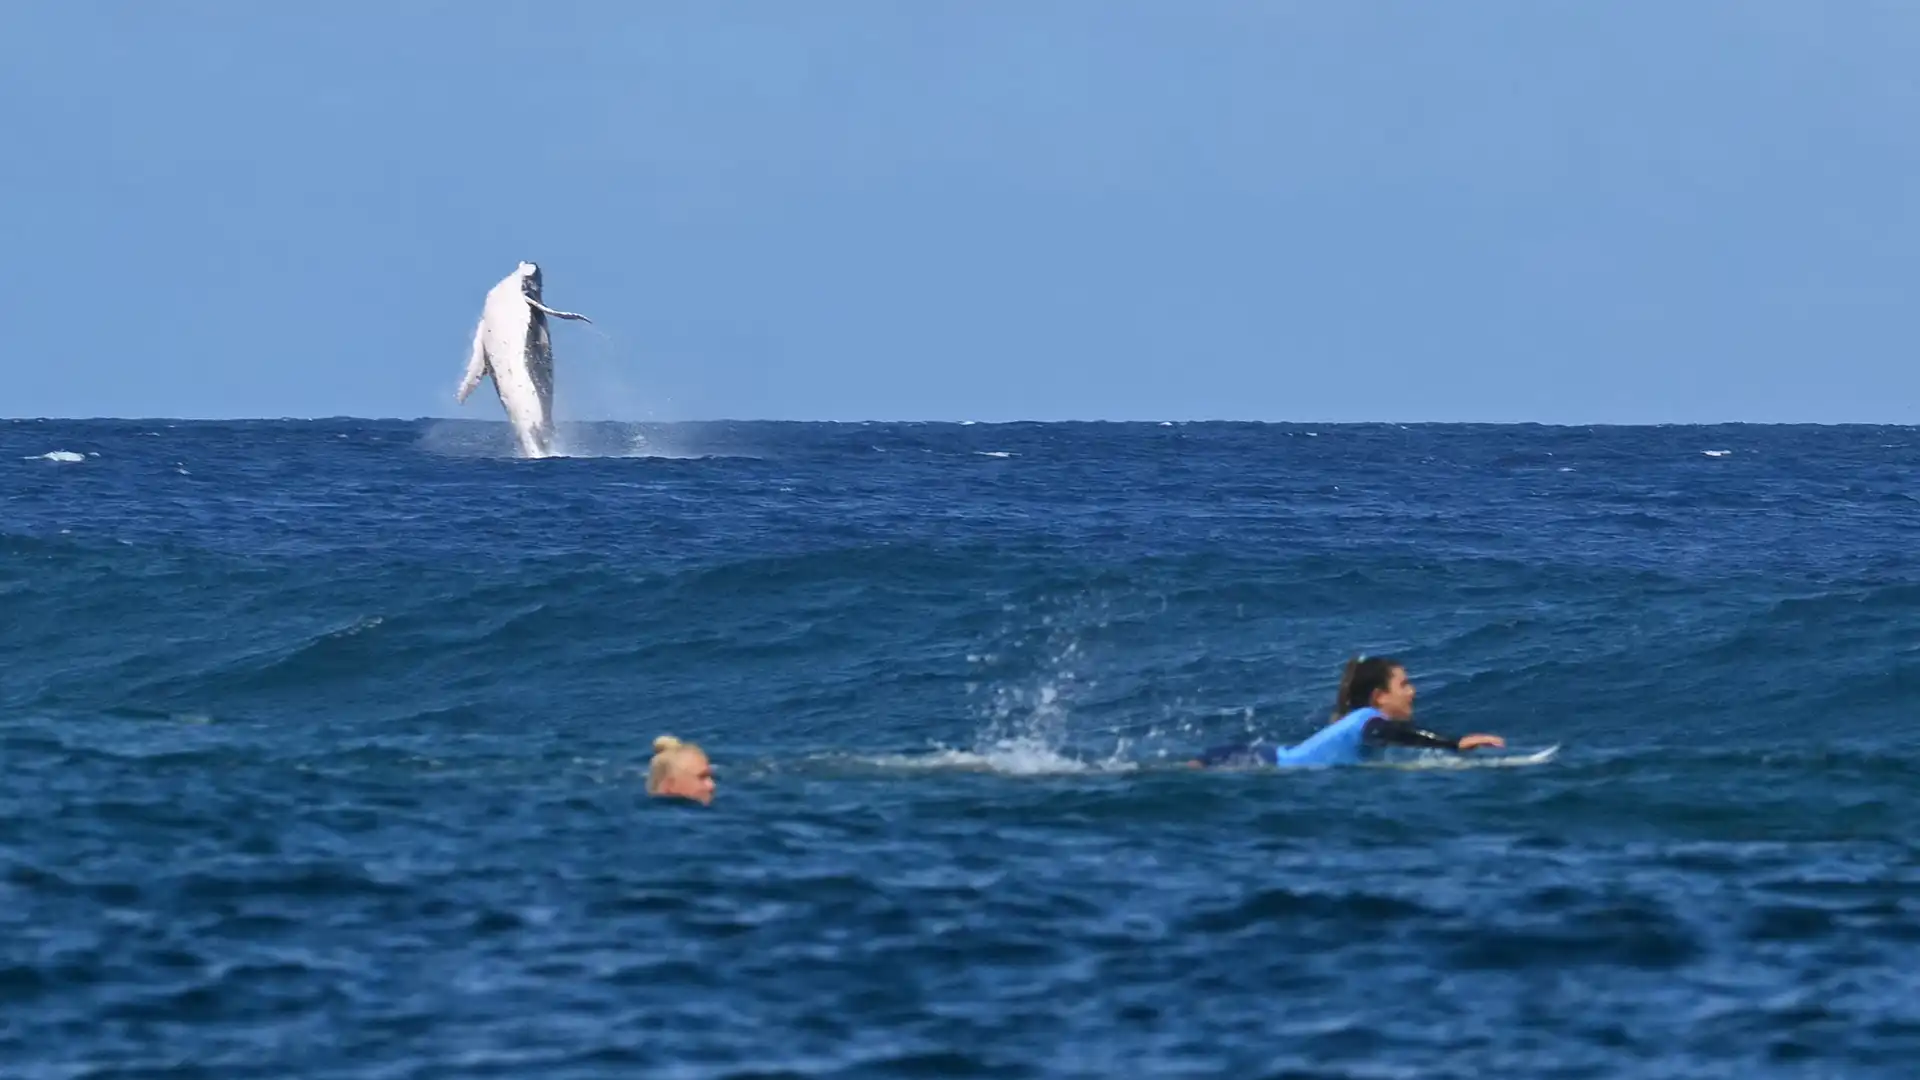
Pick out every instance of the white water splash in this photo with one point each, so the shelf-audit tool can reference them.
(1010, 759)
(597, 439)
(1028, 720)
(63, 456)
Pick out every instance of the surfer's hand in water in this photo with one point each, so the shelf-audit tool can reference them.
(1471, 742)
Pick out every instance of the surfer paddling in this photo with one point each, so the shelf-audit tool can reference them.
(1373, 711)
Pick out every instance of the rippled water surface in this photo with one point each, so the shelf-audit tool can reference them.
(325, 744)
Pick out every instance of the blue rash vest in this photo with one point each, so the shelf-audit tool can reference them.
(1339, 743)
(1354, 738)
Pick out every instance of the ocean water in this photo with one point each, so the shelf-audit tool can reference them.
(324, 747)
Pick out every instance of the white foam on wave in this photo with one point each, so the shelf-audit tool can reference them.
(995, 453)
(1009, 758)
(1036, 759)
(1716, 453)
(63, 456)
(584, 440)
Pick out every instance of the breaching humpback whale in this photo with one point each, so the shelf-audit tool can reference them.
(511, 344)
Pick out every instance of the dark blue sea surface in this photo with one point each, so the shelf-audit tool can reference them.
(324, 751)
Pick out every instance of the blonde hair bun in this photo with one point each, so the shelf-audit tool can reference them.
(665, 743)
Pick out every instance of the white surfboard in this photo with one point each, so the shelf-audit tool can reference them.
(1477, 760)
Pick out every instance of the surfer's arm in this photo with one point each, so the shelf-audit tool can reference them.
(1383, 732)
(476, 363)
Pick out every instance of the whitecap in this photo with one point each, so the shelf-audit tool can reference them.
(1012, 757)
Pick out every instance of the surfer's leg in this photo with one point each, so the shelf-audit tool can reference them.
(1230, 756)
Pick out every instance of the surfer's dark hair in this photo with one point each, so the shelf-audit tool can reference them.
(1362, 678)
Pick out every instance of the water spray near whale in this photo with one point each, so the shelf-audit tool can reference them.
(511, 344)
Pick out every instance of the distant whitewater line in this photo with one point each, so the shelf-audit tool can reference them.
(586, 439)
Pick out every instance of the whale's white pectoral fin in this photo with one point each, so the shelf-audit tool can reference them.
(476, 364)
(558, 314)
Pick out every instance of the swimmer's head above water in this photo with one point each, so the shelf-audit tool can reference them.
(1378, 682)
(680, 770)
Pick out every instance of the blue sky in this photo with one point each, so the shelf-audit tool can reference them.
(1554, 212)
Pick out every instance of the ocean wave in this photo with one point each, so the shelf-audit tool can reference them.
(344, 732)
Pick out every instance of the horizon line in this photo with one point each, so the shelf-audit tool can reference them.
(1140, 421)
